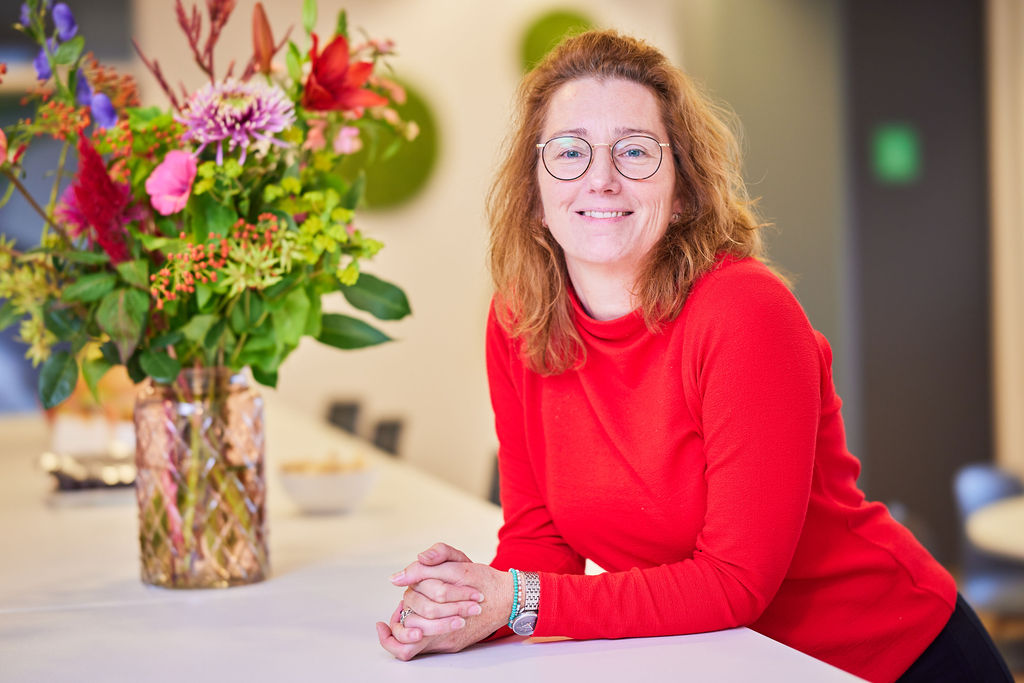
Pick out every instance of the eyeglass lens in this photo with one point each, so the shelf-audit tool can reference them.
(568, 157)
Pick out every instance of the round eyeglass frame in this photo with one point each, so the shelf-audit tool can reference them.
(610, 146)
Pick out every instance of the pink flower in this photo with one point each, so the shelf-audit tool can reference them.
(315, 139)
(347, 141)
(170, 183)
(3, 146)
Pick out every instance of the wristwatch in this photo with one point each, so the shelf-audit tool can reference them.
(526, 621)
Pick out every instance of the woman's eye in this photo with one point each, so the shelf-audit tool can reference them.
(633, 153)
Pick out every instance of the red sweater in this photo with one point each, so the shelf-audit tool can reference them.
(705, 468)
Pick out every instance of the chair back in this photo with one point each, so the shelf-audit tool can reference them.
(977, 485)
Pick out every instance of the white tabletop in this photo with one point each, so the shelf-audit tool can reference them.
(999, 527)
(72, 607)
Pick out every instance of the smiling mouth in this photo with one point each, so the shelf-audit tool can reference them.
(604, 214)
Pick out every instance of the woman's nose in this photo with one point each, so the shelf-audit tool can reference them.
(602, 174)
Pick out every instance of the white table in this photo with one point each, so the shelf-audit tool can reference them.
(999, 527)
(73, 609)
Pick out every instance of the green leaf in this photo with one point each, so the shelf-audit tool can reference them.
(313, 319)
(89, 287)
(135, 273)
(217, 217)
(375, 296)
(355, 192)
(309, 15)
(290, 317)
(167, 339)
(156, 242)
(140, 117)
(216, 333)
(135, 371)
(195, 329)
(293, 60)
(57, 379)
(268, 379)
(61, 321)
(122, 315)
(341, 29)
(69, 52)
(203, 294)
(158, 365)
(93, 371)
(109, 351)
(345, 332)
(8, 314)
(88, 257)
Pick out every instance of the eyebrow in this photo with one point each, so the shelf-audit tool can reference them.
(581, 132)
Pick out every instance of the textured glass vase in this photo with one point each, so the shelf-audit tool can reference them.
(200, 484)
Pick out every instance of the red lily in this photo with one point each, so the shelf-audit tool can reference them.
(334, 84)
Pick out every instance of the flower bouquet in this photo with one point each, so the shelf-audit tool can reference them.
(193, 241)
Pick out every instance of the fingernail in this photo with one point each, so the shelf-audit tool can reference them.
(398, 576)
(429, 554)
(457, 623)
(475, 610)
(479, 597)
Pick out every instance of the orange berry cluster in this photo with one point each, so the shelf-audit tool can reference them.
(121, 88)
(252, 235)
(196, 263)
(61, 120)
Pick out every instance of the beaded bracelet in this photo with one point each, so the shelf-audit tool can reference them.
(515, 596)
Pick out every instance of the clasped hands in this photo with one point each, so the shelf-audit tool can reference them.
(455, 602)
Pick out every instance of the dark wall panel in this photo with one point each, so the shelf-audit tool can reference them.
(920, 251)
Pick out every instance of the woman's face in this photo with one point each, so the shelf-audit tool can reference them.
(604, 219)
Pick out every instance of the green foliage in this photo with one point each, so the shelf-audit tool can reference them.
(345, 332)
(57, 379)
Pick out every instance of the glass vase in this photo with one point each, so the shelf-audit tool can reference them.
(200, 484)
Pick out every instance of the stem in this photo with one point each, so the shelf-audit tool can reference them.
(32, 202)
(56, 181)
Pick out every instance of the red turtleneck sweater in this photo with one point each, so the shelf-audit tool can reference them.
(705, 469)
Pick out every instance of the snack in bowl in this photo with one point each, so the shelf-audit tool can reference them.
(327, 485)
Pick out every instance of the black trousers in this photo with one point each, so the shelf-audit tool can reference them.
(963, 652)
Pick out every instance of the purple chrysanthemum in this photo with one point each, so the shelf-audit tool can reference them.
(236, 112)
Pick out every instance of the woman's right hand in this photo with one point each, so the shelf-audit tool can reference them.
(438, 606)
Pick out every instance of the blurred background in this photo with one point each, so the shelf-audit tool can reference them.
(885, 141)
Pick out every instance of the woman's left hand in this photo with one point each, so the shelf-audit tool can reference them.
(454, 602)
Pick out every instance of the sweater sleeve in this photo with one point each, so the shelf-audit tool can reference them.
(751, 374)
(528, 538)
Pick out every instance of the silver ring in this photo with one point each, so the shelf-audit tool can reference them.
(405, 612)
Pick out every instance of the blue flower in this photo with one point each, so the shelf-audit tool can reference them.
(103, 110)
(41, 63)
(83, 93)
(64, 21)
(25, 19)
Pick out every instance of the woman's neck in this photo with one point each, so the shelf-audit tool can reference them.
(605, 294)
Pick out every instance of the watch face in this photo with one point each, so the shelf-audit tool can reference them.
(525, 623)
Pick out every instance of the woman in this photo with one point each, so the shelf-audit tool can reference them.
(665, 409)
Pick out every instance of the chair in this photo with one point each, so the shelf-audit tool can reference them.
(993, 585)
(386, 435)
(344, 415)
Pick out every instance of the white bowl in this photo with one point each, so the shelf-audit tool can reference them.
(320, 492)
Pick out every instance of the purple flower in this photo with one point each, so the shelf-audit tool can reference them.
(25, 18)
(170, 184)
(42, 63)
(240, 113)
(103, 110)
(83, 93)
(64, 21)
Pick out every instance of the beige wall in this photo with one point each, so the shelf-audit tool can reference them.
(464, 57)
(1006, 150)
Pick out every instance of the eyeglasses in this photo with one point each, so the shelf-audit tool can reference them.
(568, 157)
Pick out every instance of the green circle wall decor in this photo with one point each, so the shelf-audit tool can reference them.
(547, 30)
(393, 180)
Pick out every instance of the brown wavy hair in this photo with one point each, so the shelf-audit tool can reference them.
(527, 264)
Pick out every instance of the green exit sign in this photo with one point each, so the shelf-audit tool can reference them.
(896, 153)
